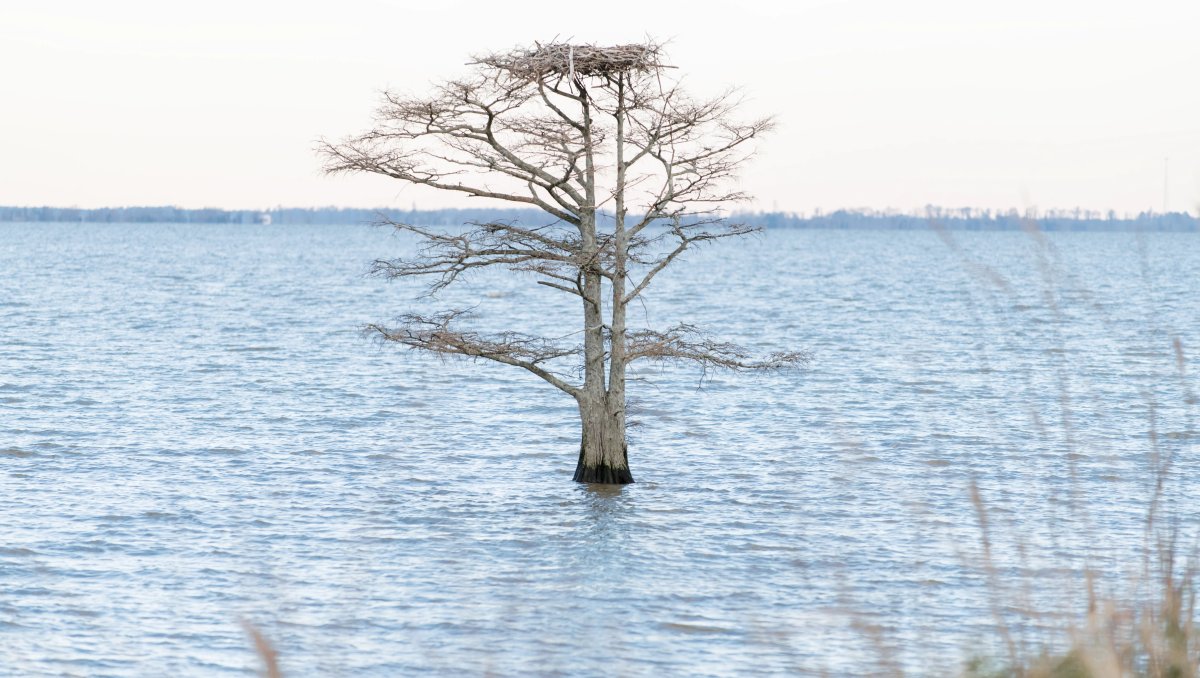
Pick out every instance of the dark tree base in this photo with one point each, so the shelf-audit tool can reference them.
(603, 474)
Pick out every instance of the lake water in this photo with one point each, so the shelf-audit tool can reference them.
(194, 432)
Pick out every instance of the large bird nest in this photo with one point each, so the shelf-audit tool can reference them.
(583, 61)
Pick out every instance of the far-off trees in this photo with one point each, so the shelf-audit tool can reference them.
(631, 173)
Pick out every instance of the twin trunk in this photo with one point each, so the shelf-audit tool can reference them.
(603, 454)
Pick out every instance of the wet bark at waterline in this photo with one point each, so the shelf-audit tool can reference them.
(603, 474)
(603, 451)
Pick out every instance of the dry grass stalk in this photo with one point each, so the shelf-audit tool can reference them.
(1148, 634)
(265, 651)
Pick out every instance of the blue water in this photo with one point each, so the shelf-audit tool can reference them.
(195, 432)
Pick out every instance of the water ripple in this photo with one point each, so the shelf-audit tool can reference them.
(222, 444)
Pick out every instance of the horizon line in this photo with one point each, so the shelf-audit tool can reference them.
(928, 211)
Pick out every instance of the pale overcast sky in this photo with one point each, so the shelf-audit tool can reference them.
(881, 103)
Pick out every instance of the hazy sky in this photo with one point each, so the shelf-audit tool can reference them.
(881, 103)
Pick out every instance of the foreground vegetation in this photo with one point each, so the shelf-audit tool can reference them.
(1153, 638)
(1143, 628)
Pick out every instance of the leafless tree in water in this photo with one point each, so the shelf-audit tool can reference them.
(631, 172)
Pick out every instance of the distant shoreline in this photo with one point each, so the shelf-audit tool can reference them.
(952, 219)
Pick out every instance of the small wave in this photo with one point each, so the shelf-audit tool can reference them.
(1180, 435)
(694, 628)
(17, 452)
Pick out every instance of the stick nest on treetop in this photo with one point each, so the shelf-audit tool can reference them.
(584, 60)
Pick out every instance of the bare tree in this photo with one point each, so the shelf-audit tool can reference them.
(631, 173)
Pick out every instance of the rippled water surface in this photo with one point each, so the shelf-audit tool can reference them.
(194, 431)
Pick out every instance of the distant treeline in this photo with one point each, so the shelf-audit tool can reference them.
(956, 219)
(977, 220)
(278, 215)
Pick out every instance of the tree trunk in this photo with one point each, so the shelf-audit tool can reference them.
(603, 453)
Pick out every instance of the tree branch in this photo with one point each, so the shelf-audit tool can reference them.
(434, 334)
(688, 343)
(496, 243)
